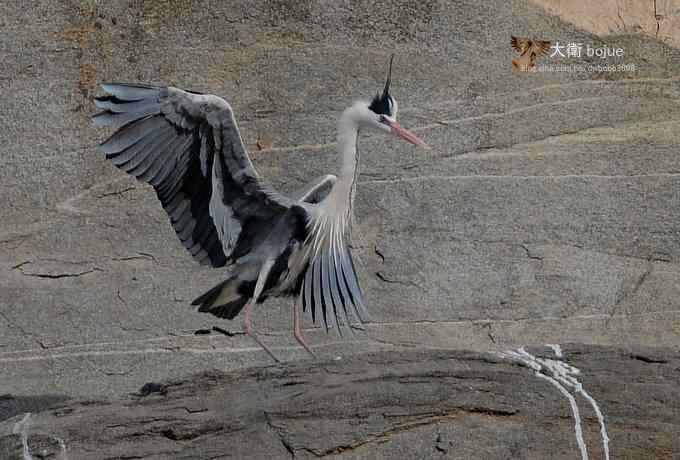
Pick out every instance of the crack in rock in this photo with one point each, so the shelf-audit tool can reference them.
(410, 423)
(57, 275)
(191, 432)
(61, 275)
(139, 256)
(379, 253)
(280, 433)
(627, 294)
(382, 277)
(529, 254)
(649, 359)
(115, 192)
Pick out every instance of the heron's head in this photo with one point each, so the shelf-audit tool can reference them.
(381, 113)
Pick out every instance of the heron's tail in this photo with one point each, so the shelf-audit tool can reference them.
(224, 300)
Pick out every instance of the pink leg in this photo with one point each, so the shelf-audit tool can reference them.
(297, 332)
(248, 329)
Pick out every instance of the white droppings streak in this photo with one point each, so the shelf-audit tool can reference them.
(575, 412)
(555, 348)
(530, 361)
(600, 418)
(62, 446)
(562, 376)
(565, 373)
(21, 428)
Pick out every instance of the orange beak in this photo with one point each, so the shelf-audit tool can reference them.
(405, 134)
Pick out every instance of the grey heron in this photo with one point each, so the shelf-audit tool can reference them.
(188, 147)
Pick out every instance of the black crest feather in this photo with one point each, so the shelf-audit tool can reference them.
(382, 104)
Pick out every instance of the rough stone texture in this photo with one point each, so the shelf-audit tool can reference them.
(424, 405)
(546, 211)
(655, 18)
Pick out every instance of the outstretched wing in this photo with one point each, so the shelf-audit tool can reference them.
(188, 147)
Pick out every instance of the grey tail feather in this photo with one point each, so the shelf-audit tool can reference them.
(210, 302)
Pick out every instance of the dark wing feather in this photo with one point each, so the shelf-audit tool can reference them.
(188, 147)
(317, 296)
(331, 313)
(344, 292)
(330, 292)
(306, 293)
(338, 305)
(352, 282)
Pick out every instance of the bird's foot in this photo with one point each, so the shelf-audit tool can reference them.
(297, 331)
(265, 348)
(301, 341)
(248, 329)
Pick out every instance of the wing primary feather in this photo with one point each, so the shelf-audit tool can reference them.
(329, 306)
(153, 175)
(179, 210)
(336, 289)
(318, 297)
(309, 291)
(353, 286)
(157, 141)
(346, 297)
(201, 232)
(207, 239)
(116, 119)
(354, 280)
(187, 225)
(130, 134)
(141, 163)
(174, 181)
(341, 311)
(183, 219)
(351, 299)
(130, 92)
(172, 201)
(116, 105)
(120, 158)
(302, 300)
(161, 168)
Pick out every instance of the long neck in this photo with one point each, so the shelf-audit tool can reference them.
(333, 224)
(348, 131)
(336, 211)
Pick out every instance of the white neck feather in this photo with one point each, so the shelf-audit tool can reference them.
(335, 213)
(341, 198)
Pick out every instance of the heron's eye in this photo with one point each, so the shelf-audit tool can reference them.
(383, 119)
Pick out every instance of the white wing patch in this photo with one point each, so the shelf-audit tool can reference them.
(227, 226)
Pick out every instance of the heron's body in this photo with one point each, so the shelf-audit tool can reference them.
(188, 147)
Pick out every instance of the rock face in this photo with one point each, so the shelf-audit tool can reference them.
(425, 405)
(546, 211)
(659, 18)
